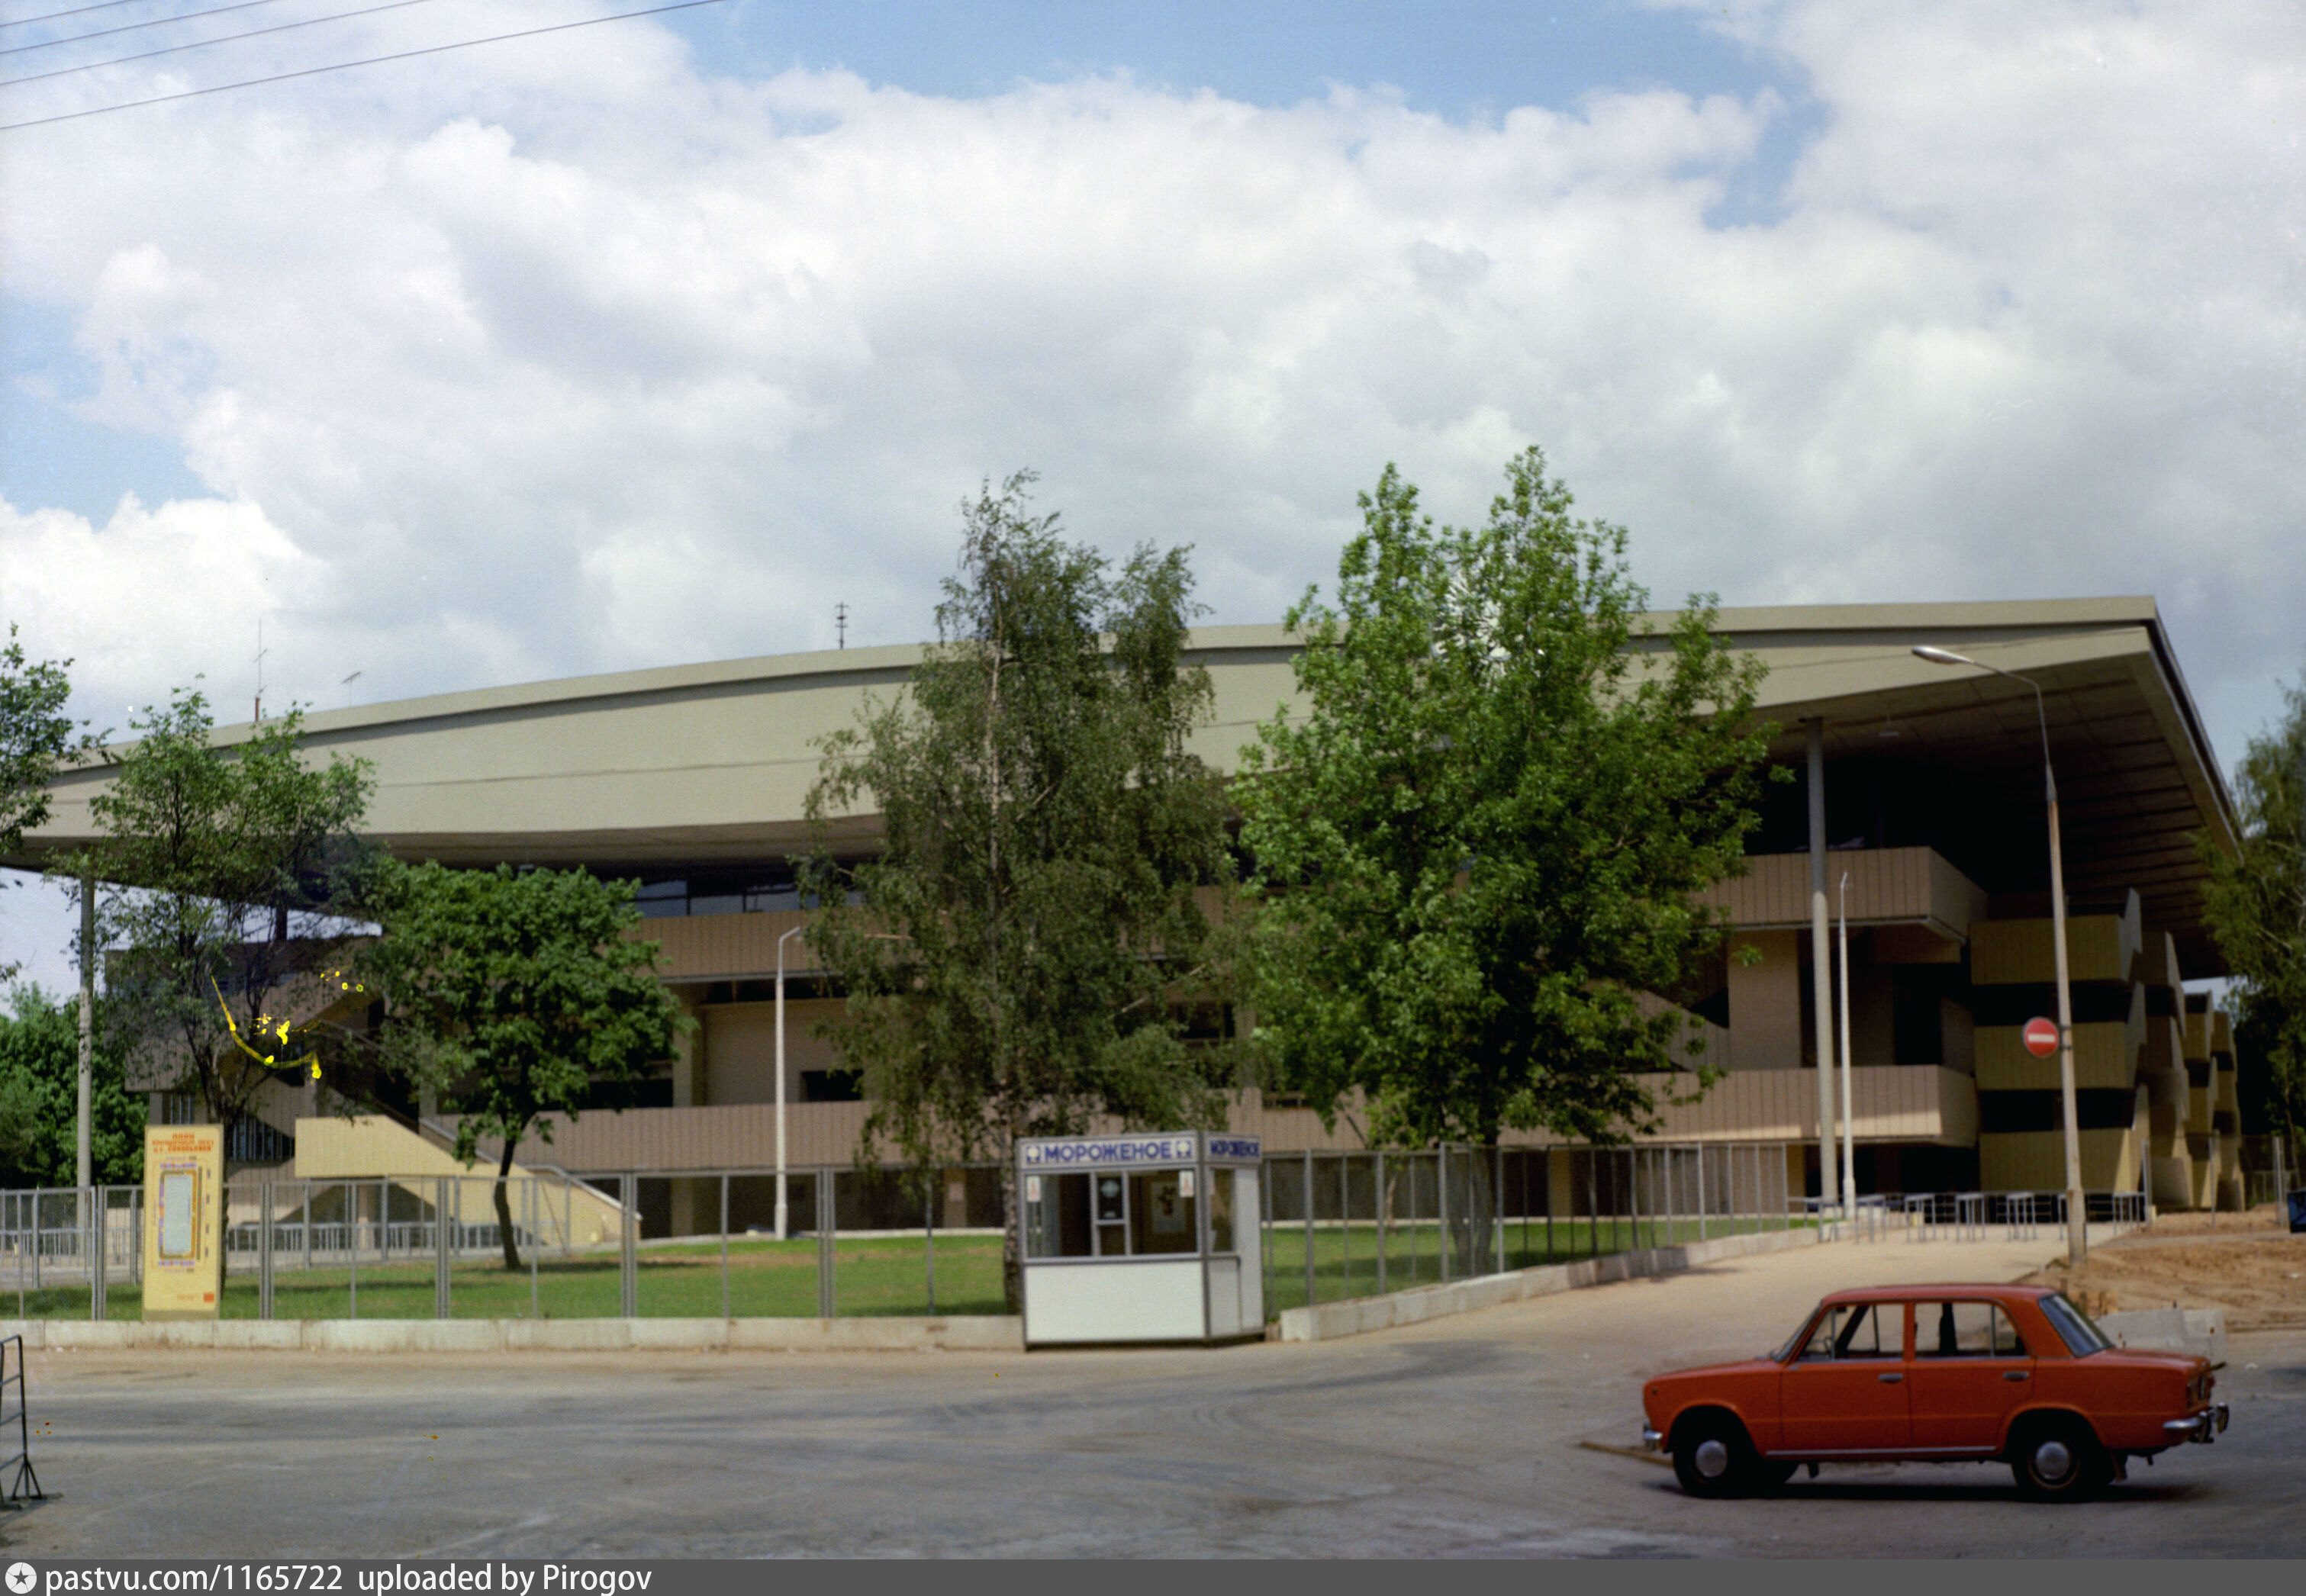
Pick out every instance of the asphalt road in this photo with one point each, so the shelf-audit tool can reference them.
(1459, 1437)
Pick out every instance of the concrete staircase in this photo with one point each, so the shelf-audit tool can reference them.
(372, 1147)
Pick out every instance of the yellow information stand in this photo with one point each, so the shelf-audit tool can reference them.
(183, 1220)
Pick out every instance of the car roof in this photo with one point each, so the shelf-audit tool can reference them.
(1901, 1294)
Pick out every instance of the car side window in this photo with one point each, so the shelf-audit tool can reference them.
(1857, 1330)
(1964, 1330)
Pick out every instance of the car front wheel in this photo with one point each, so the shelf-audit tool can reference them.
(2059, 1460)
(1711, 1456)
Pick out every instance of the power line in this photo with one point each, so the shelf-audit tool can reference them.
(76, 39)
(202, 44)
(346, 65)
(74, 11)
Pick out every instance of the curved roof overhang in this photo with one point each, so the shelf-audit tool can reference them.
(693, 765)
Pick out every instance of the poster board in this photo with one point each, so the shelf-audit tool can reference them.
(183, 1220)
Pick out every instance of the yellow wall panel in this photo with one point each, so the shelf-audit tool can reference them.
(2036, 1160)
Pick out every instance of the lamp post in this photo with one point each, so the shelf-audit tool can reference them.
(2076, 1220)
(786, 937)
(1849, 1120)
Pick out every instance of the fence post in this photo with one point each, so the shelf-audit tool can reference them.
(93, 1239)
(1345, 1219)
(1384, 1202)
(724, 1244)
(352, 1241)
(628, 1263)
(1442, 1203)
(1545, 1172)
(826, 1215)
(1305, 1197)
(1497, 1207)
(441, 1240)
(264, 1244)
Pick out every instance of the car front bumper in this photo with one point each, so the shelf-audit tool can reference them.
(1651, 1441)
(2203, 1427)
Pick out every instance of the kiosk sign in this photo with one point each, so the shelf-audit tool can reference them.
(183, 1192)
(1097, 1152)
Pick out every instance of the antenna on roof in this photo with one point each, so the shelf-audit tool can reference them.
(260, 651)
(840, 625)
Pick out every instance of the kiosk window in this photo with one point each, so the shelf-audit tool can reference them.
(1221, 1195)
(1056, 1221)
(1161, 1207)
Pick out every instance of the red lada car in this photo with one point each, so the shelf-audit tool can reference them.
(1936, 1373)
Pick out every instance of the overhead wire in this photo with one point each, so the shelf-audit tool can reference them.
(202, 44)
(190, 16)
(347, 65)
(75, 12)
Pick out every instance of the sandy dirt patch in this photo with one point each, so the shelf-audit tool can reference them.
(2244, 1263)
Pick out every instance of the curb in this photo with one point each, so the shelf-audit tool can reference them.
(1359, 1316)
(988, 1334)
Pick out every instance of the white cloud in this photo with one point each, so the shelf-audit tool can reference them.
(557, 356)
(153, 598)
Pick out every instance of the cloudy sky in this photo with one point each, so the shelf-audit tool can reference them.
(650, 341)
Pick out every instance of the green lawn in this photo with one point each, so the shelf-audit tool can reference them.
(766, 1280)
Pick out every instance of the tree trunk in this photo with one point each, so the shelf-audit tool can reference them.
(1473, 1205)
(504, 1204)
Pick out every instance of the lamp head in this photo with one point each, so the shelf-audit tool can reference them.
(1941, 656)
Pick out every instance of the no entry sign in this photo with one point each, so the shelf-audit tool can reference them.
(2041, 1037)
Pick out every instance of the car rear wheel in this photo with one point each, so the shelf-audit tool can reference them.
(2059, 1459)
(1711, 1456)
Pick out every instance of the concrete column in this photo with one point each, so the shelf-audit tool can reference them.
(688, 1090)
(1820, 965)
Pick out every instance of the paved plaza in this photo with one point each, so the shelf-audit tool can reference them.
(1458, 1438)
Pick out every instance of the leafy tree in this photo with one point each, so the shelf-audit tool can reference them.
(40, 1075)
(2255, 907)
(512, 995)
(1011, 968)
(35, 736)
(230, 872)
(1477, 840)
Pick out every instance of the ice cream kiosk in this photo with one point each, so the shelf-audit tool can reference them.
(1141, 1238)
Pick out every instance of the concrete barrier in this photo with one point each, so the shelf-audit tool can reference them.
(1358, 1316)
(371, 1336)
(2202, 1331)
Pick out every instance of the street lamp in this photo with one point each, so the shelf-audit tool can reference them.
(786, 937)
(2076, 1235)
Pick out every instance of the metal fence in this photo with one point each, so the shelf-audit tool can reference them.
(1340, 1225)
(434, 1247)
(1967, 1215)
(1335, 1225)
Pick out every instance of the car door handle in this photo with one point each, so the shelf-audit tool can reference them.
(2013, 1374)
(1888, 1380)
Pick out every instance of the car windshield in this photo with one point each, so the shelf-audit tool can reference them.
(2074, 1327)
(1792, 1342)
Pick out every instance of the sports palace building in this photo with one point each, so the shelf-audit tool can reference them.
(691, 778)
